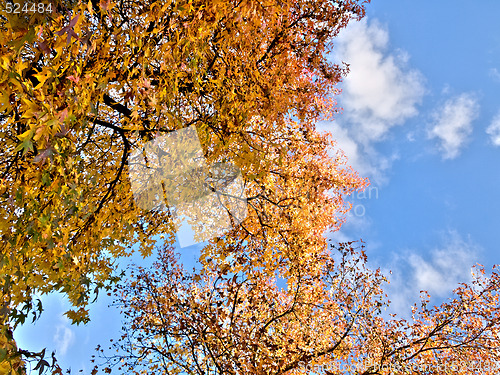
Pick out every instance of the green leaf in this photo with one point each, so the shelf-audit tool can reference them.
(3, 354)
(19, 42)
(26, 145)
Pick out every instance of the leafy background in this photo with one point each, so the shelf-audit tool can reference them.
(432, 210)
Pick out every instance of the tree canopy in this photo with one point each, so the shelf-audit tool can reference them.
(87, 85)
(324, 316)
(81, 90)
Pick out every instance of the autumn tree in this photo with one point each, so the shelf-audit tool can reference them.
(86, 83)
(324, 316)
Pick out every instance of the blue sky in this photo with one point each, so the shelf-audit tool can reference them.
(421, 120)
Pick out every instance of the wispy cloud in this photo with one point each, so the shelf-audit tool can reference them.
(379, 92)
(452, 125)
(64, 337)
(494, 130)
(439, 273)
(495, 74)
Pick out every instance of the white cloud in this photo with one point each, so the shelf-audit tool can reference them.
(444, 271)
(64, 337)
(439, 273)
(348, 145)
(453, 124)
(379, 92)
(494, 130)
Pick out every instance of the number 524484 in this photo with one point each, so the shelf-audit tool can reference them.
(28, 8)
